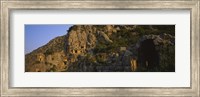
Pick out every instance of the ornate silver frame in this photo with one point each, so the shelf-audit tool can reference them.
(8, 5)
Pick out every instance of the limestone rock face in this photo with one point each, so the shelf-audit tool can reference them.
(105, 37)
(50, 57)
(165, 39)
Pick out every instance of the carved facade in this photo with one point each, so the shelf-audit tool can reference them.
(40, 57)
(80, 38)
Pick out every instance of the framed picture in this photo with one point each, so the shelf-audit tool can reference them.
(100, 48)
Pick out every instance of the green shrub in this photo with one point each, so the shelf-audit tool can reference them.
(48, 52)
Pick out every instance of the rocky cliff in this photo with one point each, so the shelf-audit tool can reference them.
(107, 48)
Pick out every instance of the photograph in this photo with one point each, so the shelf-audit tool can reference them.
(99, 48)
(136, 48)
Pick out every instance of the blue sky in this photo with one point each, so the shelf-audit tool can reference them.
(37, 35)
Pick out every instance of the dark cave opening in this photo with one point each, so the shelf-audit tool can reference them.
(148, 57)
